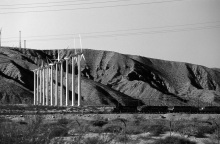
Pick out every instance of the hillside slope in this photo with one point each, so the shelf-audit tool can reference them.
(110, 78)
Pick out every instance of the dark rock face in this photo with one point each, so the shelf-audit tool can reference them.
(110, 78)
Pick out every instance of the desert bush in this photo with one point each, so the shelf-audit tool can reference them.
(132, 129)
(123, 138)
(156, 130)
(9, 133)
(58, 132)
(173, 140)
(94, 140)
(95, 129)
(215, 134)
(112, 129)
(3, 119)
(137, 119)
(192, 128)
(99, 123)
(205, 129)
(189, 130)
(22, 134)
(63, 121)
(34, 132)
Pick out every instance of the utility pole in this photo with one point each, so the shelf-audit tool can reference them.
(24, 43)
(1, 38)
(20, 39)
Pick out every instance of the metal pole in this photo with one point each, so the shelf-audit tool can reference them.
(73, 81)
(37, 87)
(24, 43)
(40, 86)
(47, 84)
(34, 87)
(43, 99)
(56, 89)
(20, 39)
(51, 85)
(1, 38)
(79, 80)
(67, 86)
(61, 83)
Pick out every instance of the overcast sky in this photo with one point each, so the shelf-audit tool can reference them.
(176, 30)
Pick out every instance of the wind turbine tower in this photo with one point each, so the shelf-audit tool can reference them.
(79, 72)
(20, 39)
(0, 37)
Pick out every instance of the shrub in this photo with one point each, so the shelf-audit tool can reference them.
(99, 123)
(137, 119)
(23, 134)
(189, 130)
(63, 121)
(94, 140)
(95, 129)
(58, 132)
(173, 140)
(156, 130)
(112, 129)
(34, 132)
(123, 138)
(134, 129)
(202, 130)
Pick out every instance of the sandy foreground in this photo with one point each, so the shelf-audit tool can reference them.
(142, 138)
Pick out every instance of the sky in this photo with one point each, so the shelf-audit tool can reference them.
(175, 30)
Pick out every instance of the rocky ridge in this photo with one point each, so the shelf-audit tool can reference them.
(110, 78)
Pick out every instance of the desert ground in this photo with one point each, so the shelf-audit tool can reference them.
(95, 128)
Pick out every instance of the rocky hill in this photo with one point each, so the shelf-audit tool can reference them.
(110, 78)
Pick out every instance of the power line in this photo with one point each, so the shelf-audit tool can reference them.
(128, 34)
(154, 32)
(42, 3)
(68, 4)
(122, 30)
(97, 7)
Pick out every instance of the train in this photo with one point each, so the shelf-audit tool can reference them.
(167, 109)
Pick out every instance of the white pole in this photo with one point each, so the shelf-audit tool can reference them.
(73, 81)
(56, 89)
(40, 86)
(43, 99)
(34, 87)
(24, 43)
(47, 84)
(1, 38)
(67, 86)
(51, 85)
(61, 83)
(20, 39)
(79, 80)
(37, 87)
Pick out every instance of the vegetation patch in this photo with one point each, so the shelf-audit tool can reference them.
(173, 140)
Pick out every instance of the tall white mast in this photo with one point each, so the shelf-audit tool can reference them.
(47, 84)
(61, 83)
(56, 87)
(43, 80)
(34, 87)
(51, 84)
(37, 87)
(0, 37)
(79, 74)
(67, 85)
(40, 86)
(19, 39)
(73, 77)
